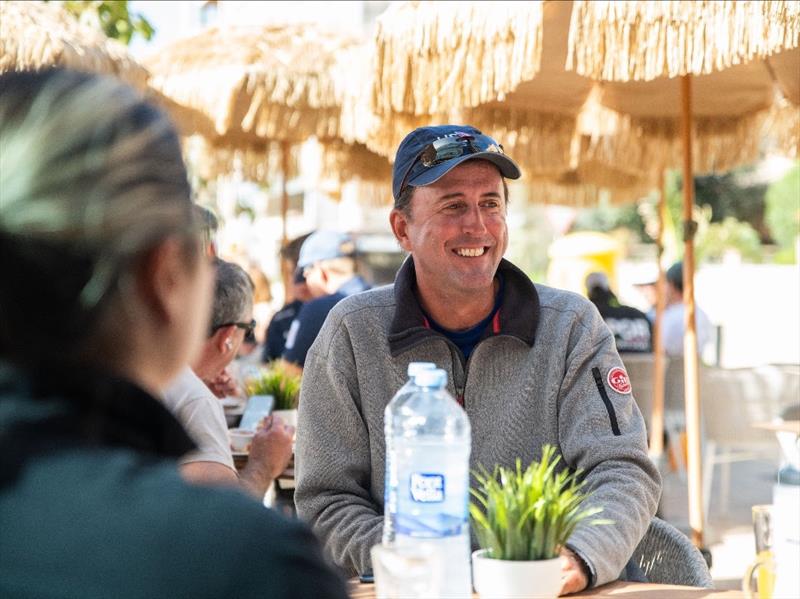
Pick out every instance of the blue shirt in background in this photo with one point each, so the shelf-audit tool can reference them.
(312, 315)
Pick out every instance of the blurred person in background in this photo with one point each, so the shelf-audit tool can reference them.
(327, 261)
(201, 413)
(632, 330)
(109, 299)
(296, 294)
(673, 320)
(208, 225)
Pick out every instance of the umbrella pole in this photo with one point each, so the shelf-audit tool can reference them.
(690, 358)
(657, 415)
(284, 191)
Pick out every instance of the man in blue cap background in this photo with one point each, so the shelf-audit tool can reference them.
(297, 293)
(327, 261)
(672, 324)
(529, 364)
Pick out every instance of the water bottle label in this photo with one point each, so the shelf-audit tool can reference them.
(427, 487)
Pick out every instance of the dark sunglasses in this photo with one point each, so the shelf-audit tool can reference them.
(248, 327)
(455, 145)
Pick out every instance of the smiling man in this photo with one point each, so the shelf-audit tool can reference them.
(529, 364)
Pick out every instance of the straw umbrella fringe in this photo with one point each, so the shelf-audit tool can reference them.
(255, 80)
(354, 72)
(783, 126)
(35, 35)
(721, 144)
(642, 40)
(255, 93)
(434, 56)
(539, 141)
(783, 123)
(254, 162)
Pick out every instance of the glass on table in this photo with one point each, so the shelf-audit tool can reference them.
(406, 572)
(759, 580)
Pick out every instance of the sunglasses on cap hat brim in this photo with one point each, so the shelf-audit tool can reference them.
(445, 153)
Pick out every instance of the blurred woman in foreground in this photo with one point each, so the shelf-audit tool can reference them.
(105, 296)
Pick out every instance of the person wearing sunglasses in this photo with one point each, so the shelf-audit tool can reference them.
(199, 410)
(529, 364)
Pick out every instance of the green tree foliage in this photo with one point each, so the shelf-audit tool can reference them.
(783, 212)
(714, 240)
(606, 218)
(113, 17)
(714, 236)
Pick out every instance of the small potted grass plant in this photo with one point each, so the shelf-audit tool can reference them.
(283, 386)
(522, 519)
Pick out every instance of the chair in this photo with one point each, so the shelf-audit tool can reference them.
(733, 401)
(667, 556)
(640, 369)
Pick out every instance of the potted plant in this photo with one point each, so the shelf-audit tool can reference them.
(283, 386)
(522, 519)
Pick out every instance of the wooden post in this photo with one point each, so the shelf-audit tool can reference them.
(690, 358)
(659, 371)
(284, 191)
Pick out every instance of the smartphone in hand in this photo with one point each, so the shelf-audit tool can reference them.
(258, 407)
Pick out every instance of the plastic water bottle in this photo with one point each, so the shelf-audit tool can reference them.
(409, 388)
(427, 477)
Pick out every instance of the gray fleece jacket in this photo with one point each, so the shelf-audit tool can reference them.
(540, 374)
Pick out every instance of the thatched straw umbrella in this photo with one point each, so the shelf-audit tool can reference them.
(263, 89)
(502, 64)
(424, 83)
(730, 53)
(441, 61)
(36, 35)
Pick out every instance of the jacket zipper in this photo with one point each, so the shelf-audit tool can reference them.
(465, 366)
(612, 415)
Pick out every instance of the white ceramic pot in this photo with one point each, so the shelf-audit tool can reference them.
(288, 416)
(506, 579)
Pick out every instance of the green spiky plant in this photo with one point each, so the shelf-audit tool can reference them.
(282, 385)
(528, 515)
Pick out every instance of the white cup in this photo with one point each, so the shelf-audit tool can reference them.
(240, 439)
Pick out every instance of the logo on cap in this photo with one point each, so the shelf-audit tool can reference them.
(618, 380)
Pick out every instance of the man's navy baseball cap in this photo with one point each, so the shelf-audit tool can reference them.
(675, 275)
(428, 153)
(325, 245)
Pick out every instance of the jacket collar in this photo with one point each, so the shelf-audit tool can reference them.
(518, 315)
(87, 407)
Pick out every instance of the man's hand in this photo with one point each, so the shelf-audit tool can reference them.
(270, 452)
(223, 385)
(574, 577)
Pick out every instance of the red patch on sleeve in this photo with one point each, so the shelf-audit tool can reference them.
(618, 380)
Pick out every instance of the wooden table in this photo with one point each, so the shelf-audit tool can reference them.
(630, 590)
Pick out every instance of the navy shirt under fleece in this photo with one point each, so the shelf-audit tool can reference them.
(466, 340)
